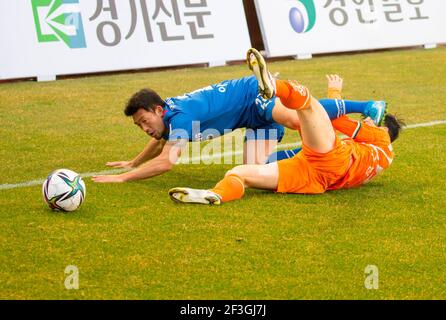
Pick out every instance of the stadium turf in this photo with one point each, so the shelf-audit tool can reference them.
(129, 241)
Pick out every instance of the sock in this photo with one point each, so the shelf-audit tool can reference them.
(293, 96)
(356, 106)
(282, 89)
(334, 107)
(230, 188)
(337, 108)
(283, 154)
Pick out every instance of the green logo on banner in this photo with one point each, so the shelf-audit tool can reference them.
(59, 20)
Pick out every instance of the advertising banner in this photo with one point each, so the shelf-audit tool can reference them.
(45, 38)
(299, 27)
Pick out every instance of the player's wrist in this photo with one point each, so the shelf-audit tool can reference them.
(334, 93)
(124, 177)
(133, 163)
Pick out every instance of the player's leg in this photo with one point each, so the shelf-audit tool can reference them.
(261, 135)
(285, 116)
(316, 129)
(260, 142)
(257, 151)
(283, 154)
(327, 157)
(290, 119)
(232, 186)
(336, 108)
(263, 176)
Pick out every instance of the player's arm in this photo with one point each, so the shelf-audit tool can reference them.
(157, 166)
(335, 84)
(152, 149)
(362, 131)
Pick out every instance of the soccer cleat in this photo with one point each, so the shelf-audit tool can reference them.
(188, 195)
(267, 84)
(376, 110)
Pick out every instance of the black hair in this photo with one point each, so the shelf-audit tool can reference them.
(394, 125)
(146, 99)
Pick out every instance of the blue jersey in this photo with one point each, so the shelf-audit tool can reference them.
(219, 109)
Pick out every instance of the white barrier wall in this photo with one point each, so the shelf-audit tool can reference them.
(45, 38)
(300, 27)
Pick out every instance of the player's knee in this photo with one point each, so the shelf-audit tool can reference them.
(257, 159)
(294, 123)
(238, 171)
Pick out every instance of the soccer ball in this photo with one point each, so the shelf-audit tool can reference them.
(64, 190)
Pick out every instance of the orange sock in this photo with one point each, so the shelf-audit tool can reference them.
(283, 89)
(230, 188)
(293, 96)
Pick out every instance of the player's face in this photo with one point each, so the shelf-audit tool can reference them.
(151, 122)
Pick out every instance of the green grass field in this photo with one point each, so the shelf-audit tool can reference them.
(129, 241)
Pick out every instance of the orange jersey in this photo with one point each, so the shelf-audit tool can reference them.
(368, 160)
(352, 162)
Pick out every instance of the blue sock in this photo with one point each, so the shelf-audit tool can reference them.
(337, 108)
(281, 155)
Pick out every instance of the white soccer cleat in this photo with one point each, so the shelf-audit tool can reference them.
(188, 195)
(267, 84)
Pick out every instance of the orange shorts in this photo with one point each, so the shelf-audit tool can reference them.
(313, 172)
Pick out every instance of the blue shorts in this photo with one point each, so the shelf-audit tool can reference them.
(260, 123)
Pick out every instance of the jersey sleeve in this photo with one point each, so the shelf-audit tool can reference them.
(377, 139)
(361, 132)
(180, 128)
(373, 135)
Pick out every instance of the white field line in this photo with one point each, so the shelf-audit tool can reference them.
(287, 146)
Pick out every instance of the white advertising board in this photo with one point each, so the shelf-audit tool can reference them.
(45, 38)
(299, 27)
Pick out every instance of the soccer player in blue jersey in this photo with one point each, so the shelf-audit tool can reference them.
(213, 111)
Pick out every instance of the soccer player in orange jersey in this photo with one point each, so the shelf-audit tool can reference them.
(325, 162)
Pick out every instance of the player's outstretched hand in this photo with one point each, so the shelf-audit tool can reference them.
(120, 164)
(108, 179)
(335, 81)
